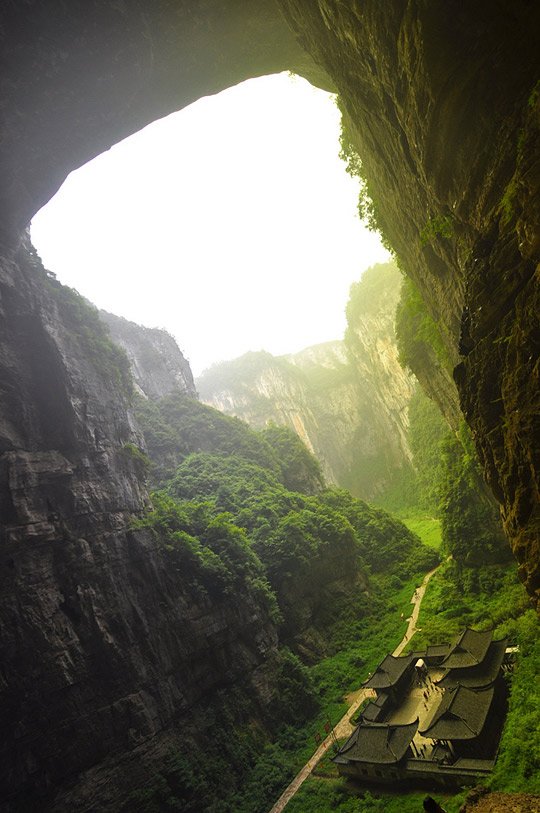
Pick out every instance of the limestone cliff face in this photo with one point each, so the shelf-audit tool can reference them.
(445, 110)
(157, 364)
(447, 123)
(347, 400)
(259, 388)
(371, 343)
(107, 653)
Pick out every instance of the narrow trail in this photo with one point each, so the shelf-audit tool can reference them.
(344, 727)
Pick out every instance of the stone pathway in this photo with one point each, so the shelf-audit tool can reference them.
(416, 601)
(344, 727)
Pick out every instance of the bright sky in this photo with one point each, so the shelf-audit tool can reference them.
(231, 223)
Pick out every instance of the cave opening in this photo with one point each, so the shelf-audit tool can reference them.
(231, 223)
(115, 634)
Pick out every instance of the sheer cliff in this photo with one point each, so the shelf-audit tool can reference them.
(107, 651)
(347, 400)
(99, 633)
(157, 364)
(126, 632)
(444, 109)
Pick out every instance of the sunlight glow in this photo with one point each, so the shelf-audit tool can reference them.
(231, 223)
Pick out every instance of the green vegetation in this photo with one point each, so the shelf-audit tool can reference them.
(300, 470)
(485, 598)
(446, 495)
(427, 432)
(228, 520)
(83, 322)
(534, 95)
(243, 515)
(417, 334)
(417, 494)
(228, 764)
(386, 545)
(507, 204)
(370, 294)
(178, 426)
(519, 756)
(141, 460)
(437, 226)
(427, 528)
(448, 483)
(490, 597)
(323, 796)
(471, 527)
(369, 209)
(213, 554)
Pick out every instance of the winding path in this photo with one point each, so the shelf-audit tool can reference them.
(344, 727)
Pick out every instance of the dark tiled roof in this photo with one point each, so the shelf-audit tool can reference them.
(460, 715)
(389, 672)
(477, 676)
(437, 651)
(419, 653)
(469, 649)
(372, 712)
(378, 743)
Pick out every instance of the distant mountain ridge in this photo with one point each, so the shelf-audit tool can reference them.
(347, 400)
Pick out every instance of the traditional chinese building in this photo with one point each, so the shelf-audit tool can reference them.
(437, 716)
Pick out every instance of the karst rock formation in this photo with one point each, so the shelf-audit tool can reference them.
(444, 104)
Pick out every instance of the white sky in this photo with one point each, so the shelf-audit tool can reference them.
(231, 223)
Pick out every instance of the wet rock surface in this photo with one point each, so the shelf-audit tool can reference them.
(107, 652)
(444, 107)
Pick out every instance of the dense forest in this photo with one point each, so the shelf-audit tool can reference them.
(243, 510)
(240, 509)
(186, 604)
(247, 513)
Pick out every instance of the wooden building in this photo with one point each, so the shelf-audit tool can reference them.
(438, 725)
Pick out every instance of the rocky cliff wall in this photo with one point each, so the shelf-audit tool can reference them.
(157, 364)
(107, 654)
(348, 401)
(260, 388)
(445, 108)
(329, 404)
(442, 102)
(447, 120)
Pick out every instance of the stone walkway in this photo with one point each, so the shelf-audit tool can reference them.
(344, 727)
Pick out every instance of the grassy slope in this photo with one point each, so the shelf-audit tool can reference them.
(358, 643)
(427, 528)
